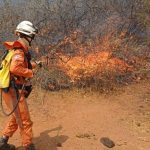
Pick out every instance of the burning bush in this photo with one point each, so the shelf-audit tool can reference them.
(97, 63)
(111, 47)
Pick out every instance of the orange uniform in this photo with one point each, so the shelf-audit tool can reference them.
(19, 69)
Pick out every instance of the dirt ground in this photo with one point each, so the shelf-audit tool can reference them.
(77, 120)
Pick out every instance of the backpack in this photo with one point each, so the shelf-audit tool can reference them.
(5, 69)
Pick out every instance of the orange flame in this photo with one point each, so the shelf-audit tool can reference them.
(94, 64)
(97, 61)
(94, 58)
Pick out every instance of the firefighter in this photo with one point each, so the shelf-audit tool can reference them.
(20, 69)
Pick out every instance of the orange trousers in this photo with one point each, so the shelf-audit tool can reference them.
(19, 119)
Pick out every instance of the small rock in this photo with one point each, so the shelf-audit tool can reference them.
(59, 144)
(107, 142)
(141, 106)
(138, 124)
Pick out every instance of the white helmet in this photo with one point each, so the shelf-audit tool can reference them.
(27, 28)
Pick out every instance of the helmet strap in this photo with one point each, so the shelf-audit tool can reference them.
(29, 41)
(27, 38)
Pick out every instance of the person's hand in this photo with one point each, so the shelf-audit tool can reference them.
(39, 63)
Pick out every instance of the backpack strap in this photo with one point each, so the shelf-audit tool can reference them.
(28, 57)
(4, 55)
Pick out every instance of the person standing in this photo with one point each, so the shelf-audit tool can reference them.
(20, 69)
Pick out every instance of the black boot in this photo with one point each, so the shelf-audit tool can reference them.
(31, 147)
(4, 145)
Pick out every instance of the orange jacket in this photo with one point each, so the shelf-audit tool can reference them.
(19, 63)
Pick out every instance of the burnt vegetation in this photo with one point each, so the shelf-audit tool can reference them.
(95, 44)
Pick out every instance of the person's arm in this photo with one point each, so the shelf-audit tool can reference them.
(17, 66)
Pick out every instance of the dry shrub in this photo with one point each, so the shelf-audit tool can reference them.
(53, 79)
(97, 63)
(110, 48)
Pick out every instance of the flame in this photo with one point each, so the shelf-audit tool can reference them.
(93, 64)
(94, 59)
(91, 59)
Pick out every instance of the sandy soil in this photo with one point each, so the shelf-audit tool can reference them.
(77, 120)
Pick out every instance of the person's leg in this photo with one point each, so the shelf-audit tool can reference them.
(26, 130)
(11, 126)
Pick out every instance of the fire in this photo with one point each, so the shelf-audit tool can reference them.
(94, 58)
(94, 64)
(91, 59)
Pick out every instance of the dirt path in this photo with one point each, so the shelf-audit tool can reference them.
(78, 120)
